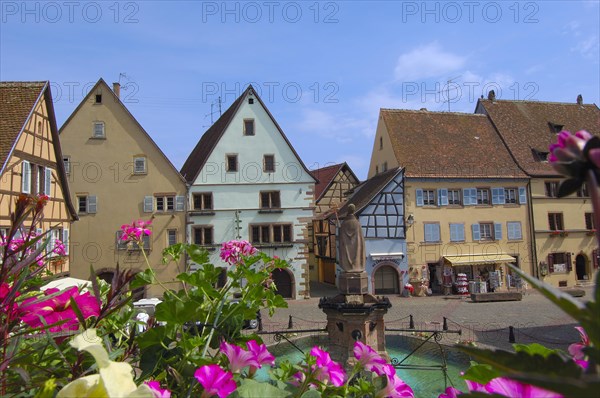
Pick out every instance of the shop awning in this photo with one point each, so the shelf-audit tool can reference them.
(475, 259)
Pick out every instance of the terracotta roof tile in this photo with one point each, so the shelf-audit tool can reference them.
(526, 127)
(365, 192)
(325, 177)
(448, 145)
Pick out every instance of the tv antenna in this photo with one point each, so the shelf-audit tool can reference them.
(218, 103)
(448, 89)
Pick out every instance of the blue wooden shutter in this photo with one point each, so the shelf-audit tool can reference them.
(92, 205)
(461, 232)
(148, 204)
(442, 197)
(476, 234)
(498, 197)
(65, 240)
(25, 177)
(469, 196)
(179, 203)
(497, 231)
(419, 195)
(522, 195)
(48, 180)
(569, 263)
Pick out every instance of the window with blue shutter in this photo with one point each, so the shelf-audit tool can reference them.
(498, 196)
(25, 177)
(48, 180)
(148, 204)
(179, 203)
(497, 231)
(513, 229)
(469, 196)
(457, 232)
(419, 196)
(522, 195)
(432, 232)
(92, 204)
(475, 230)
(442, 197)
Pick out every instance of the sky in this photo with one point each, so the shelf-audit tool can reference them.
(323, 68)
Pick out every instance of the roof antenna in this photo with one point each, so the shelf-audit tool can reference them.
(448, 89)
(212, 111)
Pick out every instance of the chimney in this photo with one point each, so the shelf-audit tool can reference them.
(492, 95)
(117, 89)
(579, 100)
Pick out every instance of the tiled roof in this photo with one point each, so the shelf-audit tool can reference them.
(17, 100)
(526, 127)
(448, 145)
(209, 140)
(365, 192)
(325, 177)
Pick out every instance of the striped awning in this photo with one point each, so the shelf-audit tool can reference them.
(475, 259)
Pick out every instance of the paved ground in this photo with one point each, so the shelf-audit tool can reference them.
(535, 319)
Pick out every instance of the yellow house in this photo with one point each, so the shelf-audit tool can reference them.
(466, 201)
(334, 184)
(118, 174)
(565, 251)
(31, 161)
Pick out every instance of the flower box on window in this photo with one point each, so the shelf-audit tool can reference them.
(555, 233)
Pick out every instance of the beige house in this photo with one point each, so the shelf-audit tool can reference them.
(565, 251)
(118, 174)
(31, 161)
(334, 184)
(466, 203)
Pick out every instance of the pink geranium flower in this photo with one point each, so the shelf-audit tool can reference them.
(260, 353)
(450, 392)
(58, 308)
(576, 349)
(396, 388)
(158, 392)
(327, 370)
(238, 357)
(512, 388)
(233, 251)
(368, 358)
(135, 231)
(215, 381)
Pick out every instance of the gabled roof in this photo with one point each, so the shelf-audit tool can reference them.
(325, 177)
(17, 103)
(527, 127)
(209, 140)
(365, 192)
(118, 101)
(448, 145)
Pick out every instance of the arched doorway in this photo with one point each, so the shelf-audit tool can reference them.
(580, 267)
(283, 282)
(386, 280)
(107, 276)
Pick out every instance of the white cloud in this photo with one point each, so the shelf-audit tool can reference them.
(588, 48)
(427, 61)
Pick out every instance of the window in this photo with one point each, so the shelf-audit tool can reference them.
(469, 196)
(171, 237)
(67, 163)
(376, 169)
(203, 201)
(555, 221)
(165, 203)
(269, 163)
(203, 235)
(486, 231)
(25, 177)
(270, 200)
(121, 244)
(432, 232)
(139, 165)
(539, 155)
(559, 262)
(232, 163)
(511, 196)
(555, 128)
(454, 197)
(87, 204)
(583, 192)
(380, 143)
(98, 130)
(483, 196)
(41, 179)
(98, 98)
(514, 231)
(267, 233)
(551, 189)
(429, 197)
(457, 232)
(384, 167)
(248, 126)
(589, 221)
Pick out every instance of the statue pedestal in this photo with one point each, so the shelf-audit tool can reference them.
(353, 283)
(351, 318)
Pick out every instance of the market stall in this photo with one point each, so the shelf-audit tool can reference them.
(476, 273)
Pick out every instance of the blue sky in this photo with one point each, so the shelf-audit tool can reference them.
(324, 69)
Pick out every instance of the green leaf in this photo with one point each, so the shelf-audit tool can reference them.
(252, 389)
(535, 349)
(311, 394)
(48, 390)
(173, 253)
(77, 311)
(480, 373)
(156, 336)
(175, 311)
(142, 279)
(197, 254)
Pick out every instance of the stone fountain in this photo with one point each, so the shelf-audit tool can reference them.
(354, 314)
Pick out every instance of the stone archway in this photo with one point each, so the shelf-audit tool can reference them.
(284, 281)
(107, 275)
(581, 267)
(386, 279)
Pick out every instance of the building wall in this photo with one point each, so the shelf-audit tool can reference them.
(240, 191)
(382, 154)
(578, 241)
(36, 146)
(421, 253)
(104, 168)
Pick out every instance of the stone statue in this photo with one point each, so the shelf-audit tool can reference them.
(352, 243)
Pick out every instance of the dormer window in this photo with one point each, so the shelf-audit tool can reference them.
(540, 156)
(555, 128)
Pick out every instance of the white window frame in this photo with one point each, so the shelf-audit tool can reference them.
(67, 164)
(171, 233)
(144, 169)
(91, 204)
(96, 130)
(25, 177)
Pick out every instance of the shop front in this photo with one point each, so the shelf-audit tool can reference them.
(477, 273)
